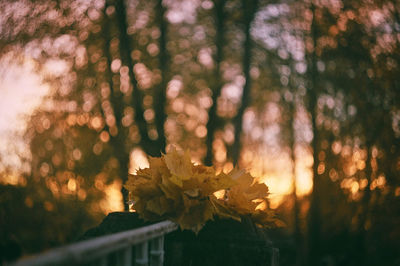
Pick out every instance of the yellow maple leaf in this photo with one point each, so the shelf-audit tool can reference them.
(196, 213)
(244, 194)
(179, 164)
(148, 198)
(223, 211)
(247, 197)
(266, 219)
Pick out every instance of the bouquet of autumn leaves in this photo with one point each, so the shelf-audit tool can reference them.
(174, 188)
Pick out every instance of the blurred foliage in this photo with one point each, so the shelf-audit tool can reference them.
(304, 93)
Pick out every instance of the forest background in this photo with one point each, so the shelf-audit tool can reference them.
(304, 94)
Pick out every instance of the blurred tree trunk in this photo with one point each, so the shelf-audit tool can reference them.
(249, 9)
(159, 95)
(296, 220)
(117, 140)
(149, 146)
(314, 226)
(361, 241)
(371, 138)
(219, 16)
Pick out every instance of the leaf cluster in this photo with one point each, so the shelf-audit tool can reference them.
(174, 188)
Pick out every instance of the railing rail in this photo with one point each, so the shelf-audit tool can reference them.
(121, 245)
(140, 247)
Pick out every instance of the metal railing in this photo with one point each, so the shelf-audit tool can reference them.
(142, 246)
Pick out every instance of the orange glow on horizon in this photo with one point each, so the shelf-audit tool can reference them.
(138, 160)
(281, 186)
(113, 198)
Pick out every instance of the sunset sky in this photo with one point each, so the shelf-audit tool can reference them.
(21, 92)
